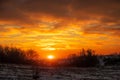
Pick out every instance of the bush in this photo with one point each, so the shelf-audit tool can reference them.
(14, 55)
(87, 58)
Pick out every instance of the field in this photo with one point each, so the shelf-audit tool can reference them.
(21, 72)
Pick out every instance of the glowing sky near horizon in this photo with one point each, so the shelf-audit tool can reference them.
(61, 26)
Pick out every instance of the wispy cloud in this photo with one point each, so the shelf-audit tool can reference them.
(76, 23)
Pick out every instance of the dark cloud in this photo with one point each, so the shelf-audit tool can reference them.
(54, 7)
(97, 8)
(25, 11)
(102, 29)
(17, 9)
(10, 12)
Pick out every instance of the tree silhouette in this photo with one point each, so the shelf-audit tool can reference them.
(87, 58)
(15, 55)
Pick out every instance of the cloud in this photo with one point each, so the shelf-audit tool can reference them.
(59, 8)
(108, 29)
(51, 15)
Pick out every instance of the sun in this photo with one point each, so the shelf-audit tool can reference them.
(50, 57)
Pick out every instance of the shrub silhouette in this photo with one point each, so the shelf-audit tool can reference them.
(14, 55)
(113, 59)
(87, 58)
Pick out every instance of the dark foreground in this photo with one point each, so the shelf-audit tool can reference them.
(21, 72)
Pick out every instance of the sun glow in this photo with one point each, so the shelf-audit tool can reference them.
(49, 48)
(50, 56)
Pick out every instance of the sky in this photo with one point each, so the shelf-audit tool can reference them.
(61, 27)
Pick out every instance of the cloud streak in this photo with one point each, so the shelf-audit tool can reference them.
(42, 21)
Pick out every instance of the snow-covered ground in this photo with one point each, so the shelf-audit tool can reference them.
(21, 72)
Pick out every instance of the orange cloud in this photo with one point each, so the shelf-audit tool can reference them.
(61, 25)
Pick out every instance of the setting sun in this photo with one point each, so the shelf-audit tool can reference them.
(50, 57)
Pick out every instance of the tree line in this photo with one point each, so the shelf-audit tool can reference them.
(85, 58)
(13, 55)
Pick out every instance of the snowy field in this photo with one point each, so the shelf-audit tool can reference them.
(20, 72)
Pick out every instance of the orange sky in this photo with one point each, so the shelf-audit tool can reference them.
(61, 27)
